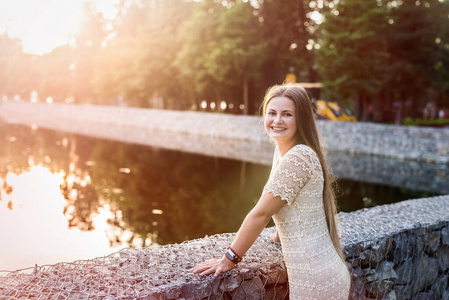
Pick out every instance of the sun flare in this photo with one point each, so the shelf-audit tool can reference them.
(43, 25)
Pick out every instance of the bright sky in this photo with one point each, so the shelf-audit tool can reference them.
(45, 24)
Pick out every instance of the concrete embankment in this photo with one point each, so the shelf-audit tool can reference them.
(237, 137)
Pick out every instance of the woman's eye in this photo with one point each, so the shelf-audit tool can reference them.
(271, 113)
(288, 114)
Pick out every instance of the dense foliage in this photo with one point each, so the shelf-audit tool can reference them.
(384, 58)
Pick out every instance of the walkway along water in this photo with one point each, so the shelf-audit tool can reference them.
(231, 136)
(394, 251)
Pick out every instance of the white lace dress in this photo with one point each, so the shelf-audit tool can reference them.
(315, 270)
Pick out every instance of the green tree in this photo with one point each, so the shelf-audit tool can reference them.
(353, 54)
(56, 79)
(236, 54)
(88, 42)
(14, 65)
(195, 37)
(139, 66)
(418, 44)
(291, 33)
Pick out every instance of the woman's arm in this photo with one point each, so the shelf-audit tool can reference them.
(252, 226)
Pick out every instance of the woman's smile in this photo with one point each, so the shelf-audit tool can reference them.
(280, 120)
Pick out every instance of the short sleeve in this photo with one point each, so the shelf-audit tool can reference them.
(290, 176)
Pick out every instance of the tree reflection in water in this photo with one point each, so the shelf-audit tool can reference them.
(150, 196)
(170, 197)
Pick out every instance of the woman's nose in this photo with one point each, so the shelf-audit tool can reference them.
(277, 119)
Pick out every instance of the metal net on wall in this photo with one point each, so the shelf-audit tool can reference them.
(399, 251)
(412, 264)
(156, 273)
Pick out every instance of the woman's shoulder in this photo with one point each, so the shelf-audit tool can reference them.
(302, 149)
(304, 153)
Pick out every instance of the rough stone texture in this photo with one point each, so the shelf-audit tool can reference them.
(381, 245)
(401, 142)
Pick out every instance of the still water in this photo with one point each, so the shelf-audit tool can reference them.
(66, 197)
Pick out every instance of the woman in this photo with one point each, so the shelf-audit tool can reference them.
(299, 197)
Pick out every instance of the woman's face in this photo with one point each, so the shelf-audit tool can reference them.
(280, 120)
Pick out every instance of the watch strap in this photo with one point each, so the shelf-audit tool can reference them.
(232, 256)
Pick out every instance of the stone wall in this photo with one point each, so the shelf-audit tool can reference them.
(396, 251)
(227, 135)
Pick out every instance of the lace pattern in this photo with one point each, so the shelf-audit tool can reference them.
(289, 176)
(315, 270)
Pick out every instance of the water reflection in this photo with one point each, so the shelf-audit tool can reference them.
(429, 178)
(170, 196)
(67, 197)
(112, 194)
(34, 229)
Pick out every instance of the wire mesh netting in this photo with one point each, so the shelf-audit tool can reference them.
(156, 273)
(398, 251)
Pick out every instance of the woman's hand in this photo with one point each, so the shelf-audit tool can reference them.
(215, 266)
(275, 236)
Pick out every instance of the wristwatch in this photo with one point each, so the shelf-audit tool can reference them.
(233, 256)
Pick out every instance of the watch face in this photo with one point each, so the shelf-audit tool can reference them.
(232, 256)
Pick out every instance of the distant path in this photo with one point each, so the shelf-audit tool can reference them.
(225, 135)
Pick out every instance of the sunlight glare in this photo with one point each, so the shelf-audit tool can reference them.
(43, 25)
(317, 17)
(36, 230)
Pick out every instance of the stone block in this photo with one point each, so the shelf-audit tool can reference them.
(445, 295)
(385, 271)
(278, 292)
(230, 283)
(273, 275)
(426, 273)
(378, 290)
(403, 292)
(250, 290)
(429, 241)
(172, 294)
(405, 272)
(391, 296)
(445, 236)
(200, 290)
(403, 247)
(424, 296)
(442, 255)
(440, 285)
(376, 253)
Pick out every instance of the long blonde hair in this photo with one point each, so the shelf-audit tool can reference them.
(307, 134)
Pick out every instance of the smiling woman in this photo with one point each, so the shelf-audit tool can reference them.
(45, 24)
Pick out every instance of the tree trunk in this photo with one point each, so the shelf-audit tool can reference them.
(303, 36)
(366, 103)
(358, 106)
(398, 120)
(245, 94)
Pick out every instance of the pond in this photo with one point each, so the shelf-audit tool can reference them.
(66, 197)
